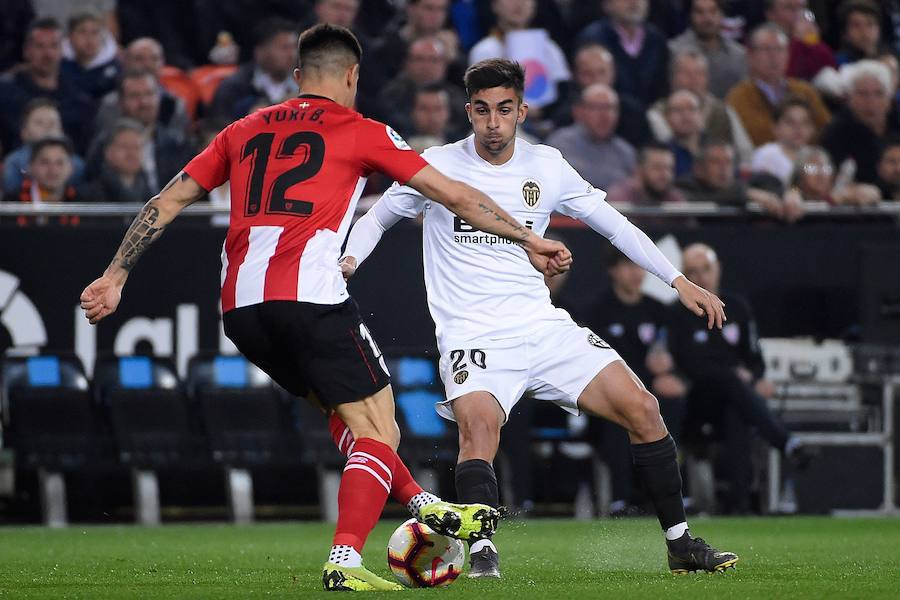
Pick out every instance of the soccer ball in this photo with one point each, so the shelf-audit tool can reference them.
(419, 557)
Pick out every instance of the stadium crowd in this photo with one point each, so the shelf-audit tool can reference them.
(722, 101)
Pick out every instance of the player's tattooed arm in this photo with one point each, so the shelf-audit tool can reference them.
(521, 233)
(151, 221)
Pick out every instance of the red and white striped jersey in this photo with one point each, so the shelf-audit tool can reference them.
(297, 170)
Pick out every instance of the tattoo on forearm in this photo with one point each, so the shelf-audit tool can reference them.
(523, 233)
(182, 176)
(142, 232)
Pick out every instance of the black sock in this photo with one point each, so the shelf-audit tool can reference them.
(656, 465)
(477, 483)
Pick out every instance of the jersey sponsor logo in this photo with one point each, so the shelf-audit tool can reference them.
(463, 233)
(732, 333)
(597, 342)
(531, 193)
(460, 378)
(396, 139)
(646, 332)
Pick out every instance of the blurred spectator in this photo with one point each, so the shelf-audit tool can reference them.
(426, 64)
(515, 38)
(430, 118)
(145, 54)
(640, 51)
(682, 113)
(594, 64)
(633, 324)
(889, 171)
(755, 98)
(653, 183)
(90, 56)
(40, 76)
(726, 59)
(690, 71)
(167, 149)
(814, 179)
(422, 18)
(63, 10)
(807, 53)
(122, 177)
(40, 119)
(17, 14)
(892, 63)
(793, 130)
(860, 31)
(713, 180)
(727, 374)
(590, 144)
(47, 180)
(858, 133)
(269, 76)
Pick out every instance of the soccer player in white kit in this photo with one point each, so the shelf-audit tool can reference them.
(498, 333)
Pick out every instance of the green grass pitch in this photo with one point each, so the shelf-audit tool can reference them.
(780, 558)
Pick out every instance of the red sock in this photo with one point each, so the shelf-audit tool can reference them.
(364, 489)
(404, 487)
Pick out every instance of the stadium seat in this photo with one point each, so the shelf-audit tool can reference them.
(180, 84)
(49, 422)
(207, 79)
(150, 423)
(247, 423)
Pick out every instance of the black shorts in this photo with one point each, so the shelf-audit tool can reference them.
(320, 347)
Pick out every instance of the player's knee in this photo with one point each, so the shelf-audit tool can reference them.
(644, 415)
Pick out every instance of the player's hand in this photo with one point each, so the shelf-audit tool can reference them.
(700, 302)
(348, 266)
(101, 298)
(549, 257)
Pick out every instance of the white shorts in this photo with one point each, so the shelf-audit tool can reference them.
(554, 363)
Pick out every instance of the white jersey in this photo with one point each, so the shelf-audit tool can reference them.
(482, 289)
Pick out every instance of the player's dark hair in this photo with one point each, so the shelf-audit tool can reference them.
(495, 72)
(36, 104)
(792, 102)
(269, 28)
(42, 23)
(51, 142)
(325, 43)
(652, 146)
(82, 17)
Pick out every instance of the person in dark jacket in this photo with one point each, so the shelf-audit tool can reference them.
(727, 377)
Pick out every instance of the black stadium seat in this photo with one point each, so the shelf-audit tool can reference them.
(49, 422)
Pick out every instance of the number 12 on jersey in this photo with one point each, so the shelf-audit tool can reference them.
(258, 150)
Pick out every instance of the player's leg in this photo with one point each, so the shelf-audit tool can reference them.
(479, 418)
(616, 394)
(464, 521)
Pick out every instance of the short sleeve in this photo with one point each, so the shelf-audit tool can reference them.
(382, 149)
(577, 197)
(212, 167)
(404, 201)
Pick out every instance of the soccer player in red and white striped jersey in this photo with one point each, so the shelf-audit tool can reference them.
(296, 171)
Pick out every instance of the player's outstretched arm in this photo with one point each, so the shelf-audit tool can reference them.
(366, 233)
(101, 297)
(479, 211)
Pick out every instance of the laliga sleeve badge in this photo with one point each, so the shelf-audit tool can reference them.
(597, 342)
(396, 139)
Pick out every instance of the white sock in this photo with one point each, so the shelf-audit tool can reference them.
(345, 556)
(676, 531)
(419, 500)
(481, 545)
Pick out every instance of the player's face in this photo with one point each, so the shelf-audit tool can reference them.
(495, 113)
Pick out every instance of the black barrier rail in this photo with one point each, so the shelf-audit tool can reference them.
(685, 209)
